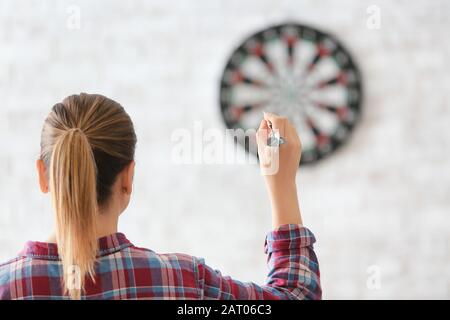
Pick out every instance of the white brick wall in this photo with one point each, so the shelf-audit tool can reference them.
(386, 192)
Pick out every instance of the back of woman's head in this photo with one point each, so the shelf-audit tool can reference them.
(87, 140)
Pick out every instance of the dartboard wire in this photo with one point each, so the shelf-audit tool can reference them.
(333, 107)
(311, 87)
(247, 105)
(237, 76)
(307, 135)
(296, 69)
(290, 41)
(321, 91)
(321, 138)
(311, 83)
(242, 85)
(321, 52)
(250, 90)
(321, 135)
(340, 115)
(339, 79)
(258, 51)
(239, 110)
(302, 78)
(299, 71)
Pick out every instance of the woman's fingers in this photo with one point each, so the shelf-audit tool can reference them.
(283, 160)
(286, 130)
(266, 153)
(263, 132)
(278, 123)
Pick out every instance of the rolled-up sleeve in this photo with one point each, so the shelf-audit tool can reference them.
(293, 270)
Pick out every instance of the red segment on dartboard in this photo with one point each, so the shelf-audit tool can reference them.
(342, 113)
(322, 140)
(323, 84)
(270, 67)
(257, 49)
(236, 112)
(322, 51)
(236, 77)
(342, 78)
(290, 40)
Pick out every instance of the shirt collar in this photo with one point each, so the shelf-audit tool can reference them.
(46, 250)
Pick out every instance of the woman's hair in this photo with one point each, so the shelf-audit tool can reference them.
(86, 141)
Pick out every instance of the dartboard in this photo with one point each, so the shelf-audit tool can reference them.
(298, 72)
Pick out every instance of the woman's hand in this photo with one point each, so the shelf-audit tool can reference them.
(279, 166)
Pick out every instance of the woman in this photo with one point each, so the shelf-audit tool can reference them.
(87, 164)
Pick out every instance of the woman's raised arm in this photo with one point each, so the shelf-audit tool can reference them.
(293, 266)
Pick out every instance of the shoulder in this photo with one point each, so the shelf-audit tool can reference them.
(8, 266)
(7, 272)
(181, 260)
(178, 271)
(15, 267)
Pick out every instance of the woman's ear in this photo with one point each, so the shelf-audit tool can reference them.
(43, 184)
(127, 178)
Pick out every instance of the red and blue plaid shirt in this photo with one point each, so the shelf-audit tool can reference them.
(124, 271)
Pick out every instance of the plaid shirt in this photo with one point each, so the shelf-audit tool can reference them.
(124, 271)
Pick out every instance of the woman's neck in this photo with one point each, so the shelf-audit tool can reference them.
(107, 224)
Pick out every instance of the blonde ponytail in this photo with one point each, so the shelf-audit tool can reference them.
(86, 141)
(74, 198)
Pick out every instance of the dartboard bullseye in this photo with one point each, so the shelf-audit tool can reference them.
(295, 71)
